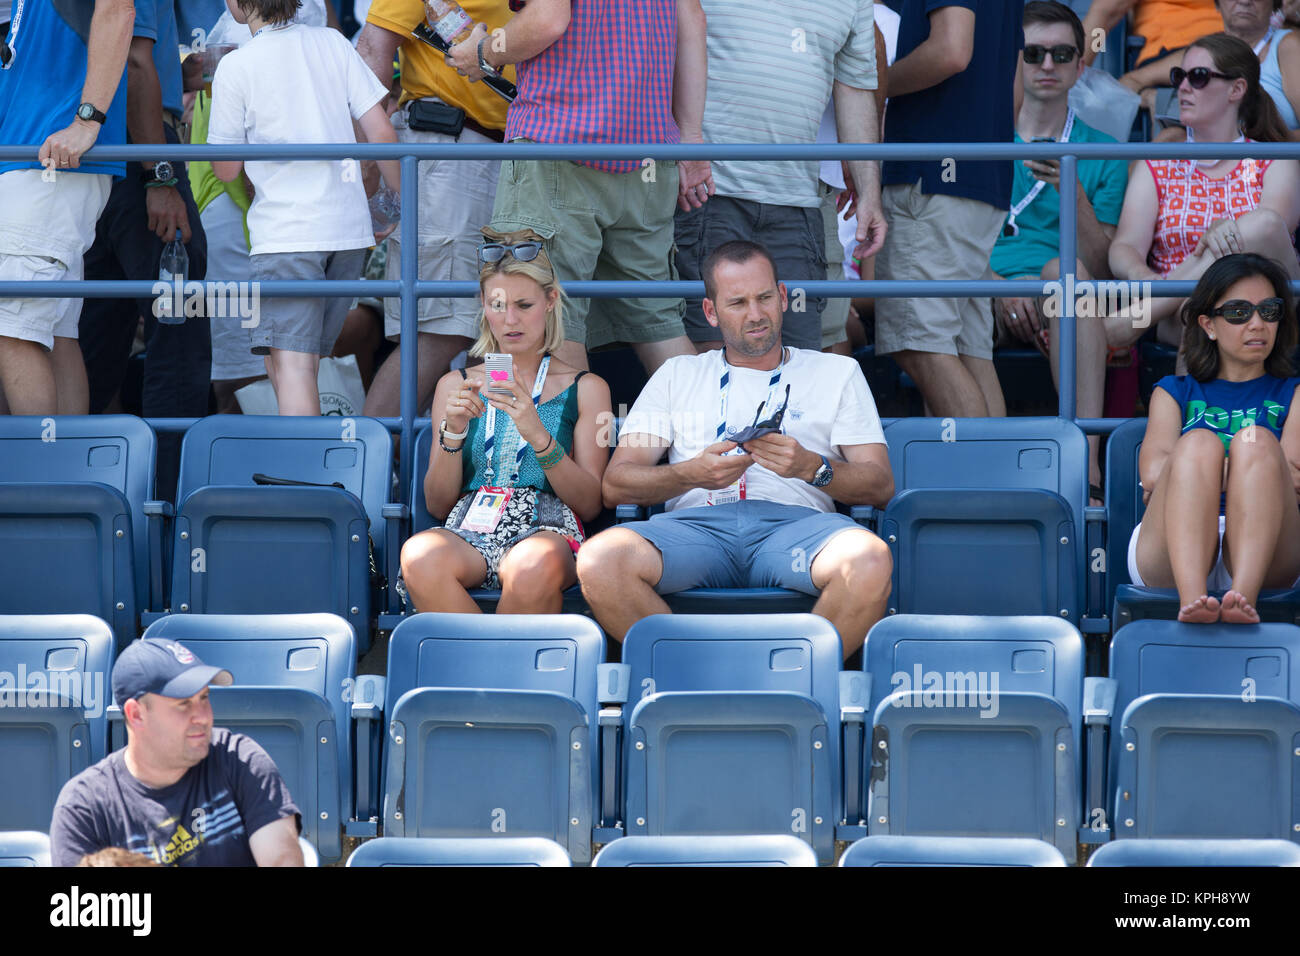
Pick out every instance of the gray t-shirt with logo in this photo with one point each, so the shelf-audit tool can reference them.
(204, 819)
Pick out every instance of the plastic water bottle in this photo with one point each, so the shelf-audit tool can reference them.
(173, 267)
(385, 211)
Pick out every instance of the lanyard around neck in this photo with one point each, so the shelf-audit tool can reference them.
(512, 435)
(1029, 197)
(724, 384)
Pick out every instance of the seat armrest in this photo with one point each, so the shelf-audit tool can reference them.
(1094, 536)
(368, 716)
(865, 515)
(158, 514)
(1098, 709)
(612, 683)
(116, 727)
(396, 521)
(626, 513)
(854, 694)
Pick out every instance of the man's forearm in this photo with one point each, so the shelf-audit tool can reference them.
(1102, 15)
(144, 122)
(691, 71)
(529, 32)
(860, 483)
(106, 50)
(1094, 244)
(855, 120)
(632, 484)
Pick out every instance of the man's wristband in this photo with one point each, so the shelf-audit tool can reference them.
(161, 182)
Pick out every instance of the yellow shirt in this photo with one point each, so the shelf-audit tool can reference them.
(423, 71)
(1169, 25)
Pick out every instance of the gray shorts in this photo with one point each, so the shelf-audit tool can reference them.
(302, 325)
(746, 544)
(796, 238)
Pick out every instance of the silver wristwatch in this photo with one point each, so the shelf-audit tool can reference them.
(823, 475)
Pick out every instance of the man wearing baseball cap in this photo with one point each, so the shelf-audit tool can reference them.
(180, 791)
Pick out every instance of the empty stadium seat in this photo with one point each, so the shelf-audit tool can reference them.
(1184, 694)
(294, 680)
(24, 848)
(245, 547)
(883, 850)
(75, 515)
(54, 691)
(1197, 853)
(493, 727)
(463, 851)
(989, 516)
(977, 727)
(1124, 509)
(707, 851)
(736, 727)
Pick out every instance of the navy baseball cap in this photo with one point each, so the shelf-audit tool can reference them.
(156, 666)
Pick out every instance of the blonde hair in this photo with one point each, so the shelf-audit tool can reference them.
(540, 271)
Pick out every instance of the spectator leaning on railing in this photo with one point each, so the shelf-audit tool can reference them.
(62, 89)
(603, 71)
(1180, 214)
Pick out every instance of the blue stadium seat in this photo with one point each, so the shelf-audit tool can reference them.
(883, 850)
(295, 676)
(1124, 509)
(989, 516)
(247, 548)
(1166, 680)
(1197, 853)
(24, 848)
(978, 727)
(493, 727)
(737, 727)
(54, 692)
(707, 851)
(462, 851)
(76, 517)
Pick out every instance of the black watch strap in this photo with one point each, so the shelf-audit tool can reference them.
(88, 112)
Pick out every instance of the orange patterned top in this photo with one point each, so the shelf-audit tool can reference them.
(1188, 201)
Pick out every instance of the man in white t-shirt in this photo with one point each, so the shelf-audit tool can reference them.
(309, 219)
(760, 513)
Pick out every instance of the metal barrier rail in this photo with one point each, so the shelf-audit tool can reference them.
(410, 290)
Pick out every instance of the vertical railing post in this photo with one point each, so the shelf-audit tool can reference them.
(1067, 348)
(410, 322)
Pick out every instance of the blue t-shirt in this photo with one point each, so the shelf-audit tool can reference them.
(1225, 408)
(194, 15)
(156, 20)
(1103, 181)
(41, 90)
(975, 106)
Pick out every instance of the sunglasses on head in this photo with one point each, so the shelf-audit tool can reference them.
(1197, 77)
(496, 251)
(1239, 311)
(1062, 53)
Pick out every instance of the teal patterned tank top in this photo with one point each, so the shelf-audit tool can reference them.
(558, 414)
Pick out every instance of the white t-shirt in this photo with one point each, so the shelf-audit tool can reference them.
(298, 84)
(830, 408)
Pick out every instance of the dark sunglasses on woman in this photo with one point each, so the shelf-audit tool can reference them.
(1062, 53)
(1197, 77)
(496, 251)
(1239, 311)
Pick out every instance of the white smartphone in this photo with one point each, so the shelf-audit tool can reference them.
(498, 369)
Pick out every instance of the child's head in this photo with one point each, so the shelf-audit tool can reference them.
(536, 268)
(268, 11)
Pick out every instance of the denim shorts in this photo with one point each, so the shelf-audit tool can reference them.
(746, 544)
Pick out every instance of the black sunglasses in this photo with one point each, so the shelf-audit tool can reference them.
(521, 251)
(1197, 77)
(766, 427)
(1062, 53)
(1239, 311)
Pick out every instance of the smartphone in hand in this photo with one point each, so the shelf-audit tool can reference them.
(498, 371)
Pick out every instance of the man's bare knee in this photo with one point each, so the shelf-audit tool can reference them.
(615, 556)
(855, 560)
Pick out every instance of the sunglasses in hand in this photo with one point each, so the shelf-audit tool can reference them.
(1061, 53)
(766, 427)
(1198, 77)
(1239, 311)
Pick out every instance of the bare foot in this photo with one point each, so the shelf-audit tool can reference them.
(1236, 610)
(1204, 610)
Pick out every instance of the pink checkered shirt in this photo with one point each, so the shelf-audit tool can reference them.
(1189, 202)
(607, 79)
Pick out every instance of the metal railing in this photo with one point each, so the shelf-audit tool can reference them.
(410, 289)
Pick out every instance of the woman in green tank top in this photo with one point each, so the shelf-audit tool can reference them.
(517, 465)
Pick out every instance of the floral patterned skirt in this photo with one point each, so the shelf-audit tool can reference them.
(527, 512)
